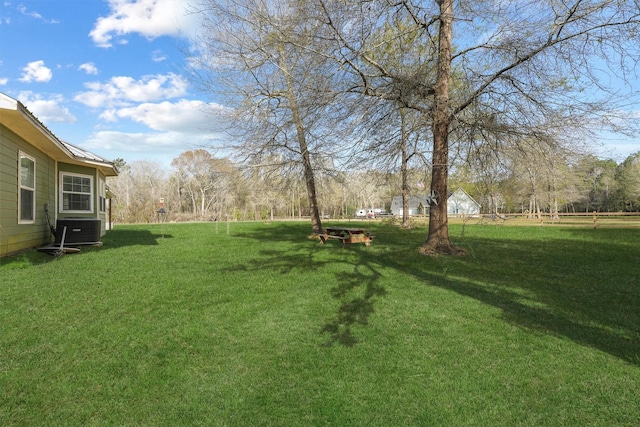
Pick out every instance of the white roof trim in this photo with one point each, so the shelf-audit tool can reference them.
(73, 152)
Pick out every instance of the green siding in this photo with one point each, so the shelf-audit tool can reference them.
(13, 236)
(80, 170)
(83, 170)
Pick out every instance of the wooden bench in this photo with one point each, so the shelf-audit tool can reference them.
(324, 237)
(346, 236)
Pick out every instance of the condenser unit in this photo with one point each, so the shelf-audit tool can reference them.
(80, 231)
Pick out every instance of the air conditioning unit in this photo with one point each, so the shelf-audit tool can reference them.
(80, 231)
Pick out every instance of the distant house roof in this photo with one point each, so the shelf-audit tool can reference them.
(22, 122)
(417, 204)
(460, 202)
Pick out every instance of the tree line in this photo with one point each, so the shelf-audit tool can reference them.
(365, 85)
(202, 187)
(327, 100)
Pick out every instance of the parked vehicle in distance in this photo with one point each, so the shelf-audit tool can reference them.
(371, 213)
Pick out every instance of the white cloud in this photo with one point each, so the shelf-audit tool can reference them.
(36, 71)
(149, 18)
(89, 68)
(22, 9)
(131, 142)
(133, 146)
(174, 128)
(185, 116)
(158, 56)
(47, 110)
(3, 81)
(123, 90)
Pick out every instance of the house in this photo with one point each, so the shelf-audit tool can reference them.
(418, 205)
(44, 180)
(458, 203)
(461, 203)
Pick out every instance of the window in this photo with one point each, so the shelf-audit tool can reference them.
(27, 190)
(102, 194)
(77, 193)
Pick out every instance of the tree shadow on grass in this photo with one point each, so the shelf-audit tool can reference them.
(582, 290)
(356, 292)
(517, 310)
(356, 287)
(578, 284)
(119, 238)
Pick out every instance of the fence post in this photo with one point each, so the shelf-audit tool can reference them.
(595, 219)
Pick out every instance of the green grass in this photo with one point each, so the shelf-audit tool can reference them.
(257, 324)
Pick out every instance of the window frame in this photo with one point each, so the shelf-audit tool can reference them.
(91, 193)
(21, 187)
(102, 194)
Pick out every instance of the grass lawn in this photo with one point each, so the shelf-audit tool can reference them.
(256, 324)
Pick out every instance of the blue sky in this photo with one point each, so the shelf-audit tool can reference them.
(108, 76)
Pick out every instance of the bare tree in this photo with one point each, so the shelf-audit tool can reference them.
(202, 177)
(263, 56)
(628, 178)
(521, 61)
(138, 189)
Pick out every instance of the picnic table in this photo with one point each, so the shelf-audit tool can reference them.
(346, 235)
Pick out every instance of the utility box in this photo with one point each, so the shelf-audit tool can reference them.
(80, 231)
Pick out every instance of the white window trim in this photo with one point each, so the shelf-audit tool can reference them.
(22, 154)
(91, 195)
(102, 194)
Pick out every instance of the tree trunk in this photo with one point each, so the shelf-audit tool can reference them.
(553, 205)
(316, 222)
(438, 241)
(403, 173)
(194, 203)
(202, 203)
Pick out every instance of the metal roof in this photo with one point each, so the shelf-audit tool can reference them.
(25, 124)
(83, 154)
